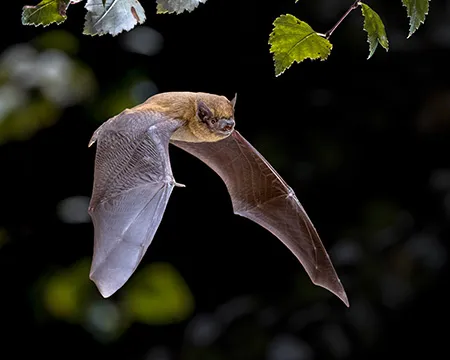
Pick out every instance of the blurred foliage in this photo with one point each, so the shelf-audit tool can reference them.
(158, 295)
(64, 291)
(155, 295)
(37, 82)
(59, 40)
(131, 90)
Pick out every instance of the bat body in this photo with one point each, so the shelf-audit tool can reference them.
(133, 181)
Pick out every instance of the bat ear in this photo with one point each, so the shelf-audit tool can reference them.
(233, 102)
(203, 111)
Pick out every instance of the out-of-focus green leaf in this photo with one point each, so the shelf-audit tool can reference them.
(118, 98)
(294, 40)
(157, 294)
(114, 102)
(376, 34)
(57, 39)
(45, 13)
(113, 17)
(104, 319)
(176, 6)
(417, 10)
(25, 121)
(65, 290)
(36, 85)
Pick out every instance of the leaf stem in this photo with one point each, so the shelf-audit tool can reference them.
(330, 32)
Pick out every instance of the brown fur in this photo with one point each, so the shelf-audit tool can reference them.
(183, 106)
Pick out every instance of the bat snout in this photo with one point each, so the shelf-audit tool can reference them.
(226, 125)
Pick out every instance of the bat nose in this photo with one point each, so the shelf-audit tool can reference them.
(226, 124)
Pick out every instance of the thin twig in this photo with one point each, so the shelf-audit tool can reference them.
(328, 34)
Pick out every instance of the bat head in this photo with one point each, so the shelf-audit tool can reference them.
(220, 124)
(213, 119)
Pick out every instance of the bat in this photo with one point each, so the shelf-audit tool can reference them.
(133, 181)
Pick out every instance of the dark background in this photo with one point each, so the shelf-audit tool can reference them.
(364, 144)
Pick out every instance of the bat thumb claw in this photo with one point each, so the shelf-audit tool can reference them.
(179, 185)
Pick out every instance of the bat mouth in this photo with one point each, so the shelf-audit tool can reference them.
(225, 126)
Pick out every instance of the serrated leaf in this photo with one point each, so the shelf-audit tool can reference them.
(45, 13)
(294, 40)
(112, 18)
(176, 6)
(376, 33)
(416, 10)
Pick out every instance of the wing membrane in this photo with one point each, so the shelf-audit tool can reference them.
(132, 184)
(260, 194)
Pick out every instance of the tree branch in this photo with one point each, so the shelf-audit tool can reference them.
(330, 32)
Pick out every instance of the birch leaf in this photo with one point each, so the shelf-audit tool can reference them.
(294, 40)
(113, 17)
(176, 6)
(376, 34)
(417, 10)
(45, 13)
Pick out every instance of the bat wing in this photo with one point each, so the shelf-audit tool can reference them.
(260, 194)
(132, 184)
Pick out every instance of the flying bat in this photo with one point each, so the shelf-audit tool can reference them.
(133, 181)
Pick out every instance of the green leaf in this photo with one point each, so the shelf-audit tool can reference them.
(176, 6)
(45, 13)
(157, 294)
(24, 121)
(294, 40)
(57, 39)
(416, 10)
(376, 34)
(113, 18)
(64, 291)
